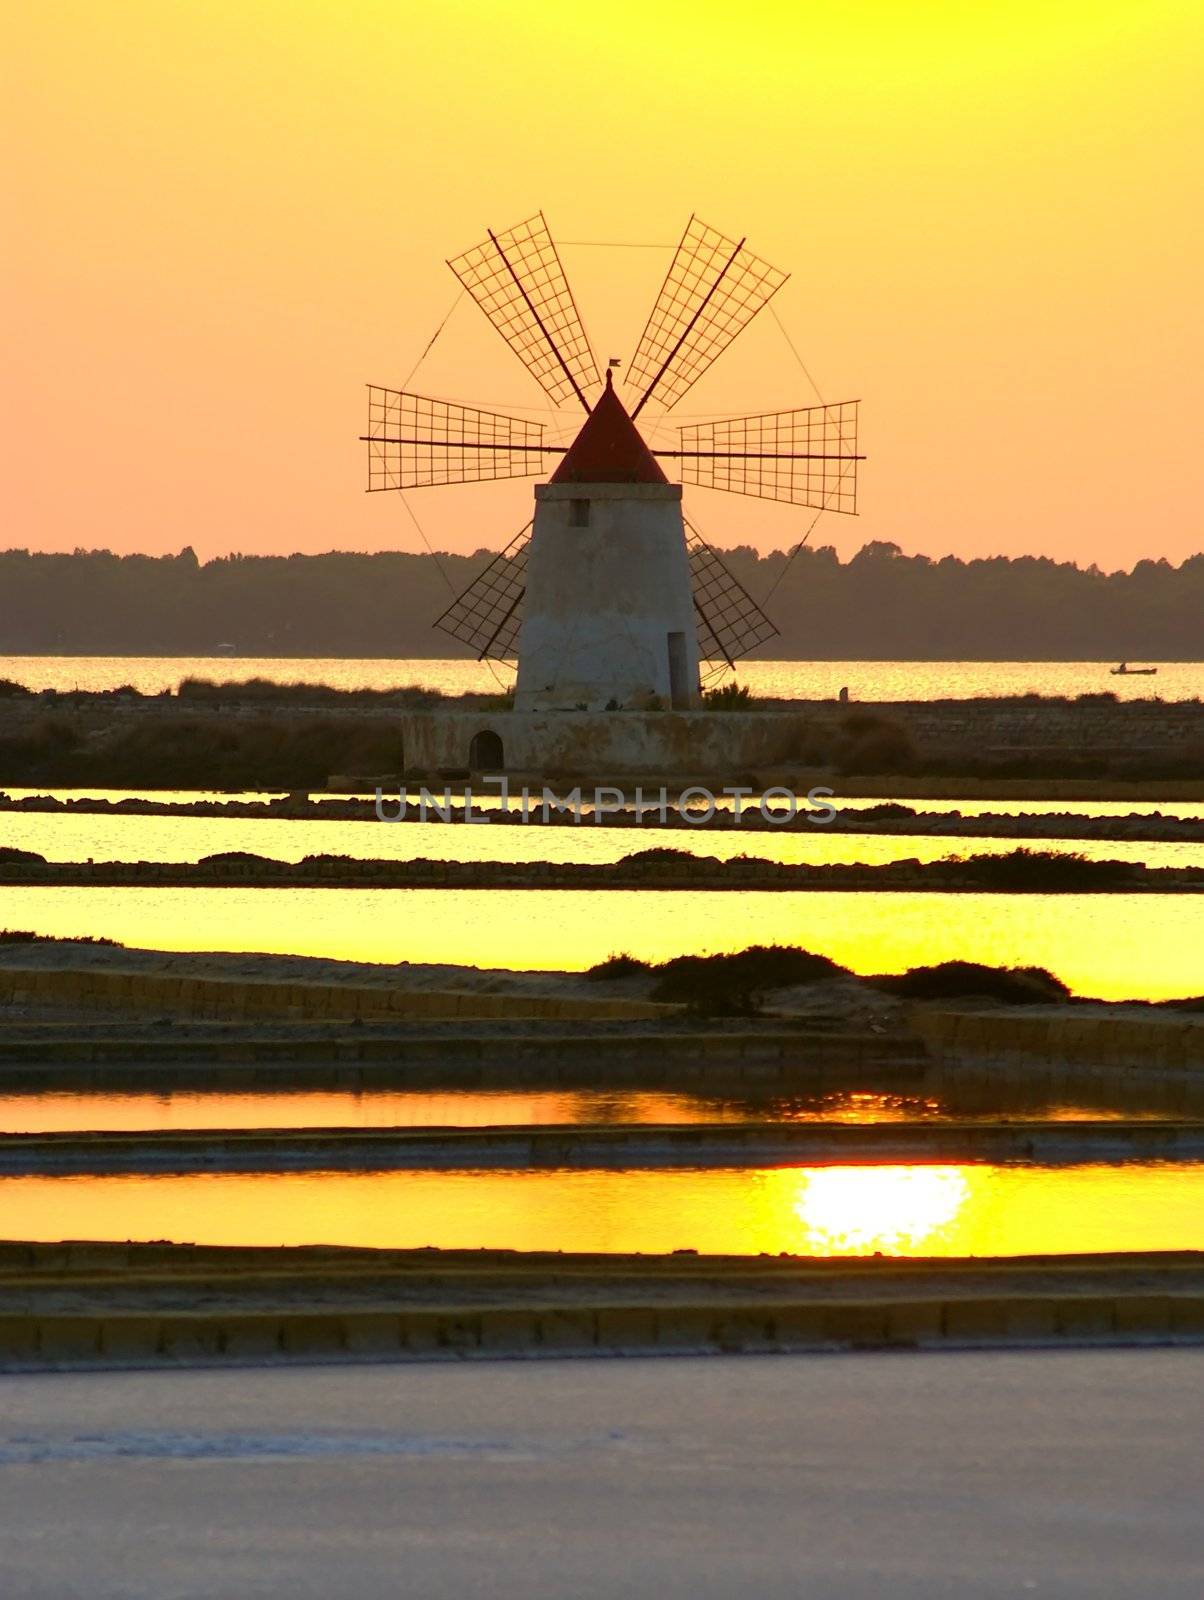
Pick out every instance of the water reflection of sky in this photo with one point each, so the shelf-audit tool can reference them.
(1111, 946)
(85, 836)
(865, 680)
(937, 1210)
(65, 1111)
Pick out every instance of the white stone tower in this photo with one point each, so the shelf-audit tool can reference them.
(608, 614)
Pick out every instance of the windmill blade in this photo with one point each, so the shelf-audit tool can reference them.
(730, 622)
(807, 457)
(517, 280)
(712, 291)
(487, 616)
(414, 441)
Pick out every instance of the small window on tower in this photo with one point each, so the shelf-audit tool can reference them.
(578, 513)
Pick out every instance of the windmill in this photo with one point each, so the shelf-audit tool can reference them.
(608, 597)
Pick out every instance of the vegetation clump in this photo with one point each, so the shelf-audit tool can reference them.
(10, 856)
(959, 980)
(728, 697)
(22, 936)
(412, 697)
(616, 967)
(236, 858)
(734, 985)
(872, 745)
(201, 752)
(1027, 871)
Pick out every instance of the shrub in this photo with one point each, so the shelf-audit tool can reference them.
(265, 691)
(728, 697)
(1044, 871)
(733, 985)
(870, 744)
(204, 752)
(16, 936)
(956, 980)
(614, 967)
(10, 856)
(10, 689)
(236, 858)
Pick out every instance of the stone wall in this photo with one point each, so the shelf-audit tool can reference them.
(599, 745)
(726, 745)
(787, 736)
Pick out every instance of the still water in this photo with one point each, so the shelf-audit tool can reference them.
(80, 836)
(71, 1112)
(1107, 946)
(939, 1210)
(1007, 807)
(808, 680)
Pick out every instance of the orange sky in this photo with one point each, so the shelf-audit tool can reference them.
(227, 215)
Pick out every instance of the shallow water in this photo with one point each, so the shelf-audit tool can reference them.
(1008, 807)
(76, 836)
(72, 1112)
(1108, 946)
(942, 1210)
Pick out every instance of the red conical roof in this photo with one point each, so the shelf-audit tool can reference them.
(609, 448)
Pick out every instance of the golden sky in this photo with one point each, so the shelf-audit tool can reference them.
(227, 215)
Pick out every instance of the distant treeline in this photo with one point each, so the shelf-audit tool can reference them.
(878, 605)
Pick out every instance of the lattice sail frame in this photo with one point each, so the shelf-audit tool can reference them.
(730, 622)
(517, 279)
(487, 616)
(806, 457)
(713, 289)
(415, 441)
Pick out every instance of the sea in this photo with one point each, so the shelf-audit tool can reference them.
(801, 680)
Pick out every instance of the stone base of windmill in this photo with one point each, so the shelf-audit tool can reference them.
(715, 747)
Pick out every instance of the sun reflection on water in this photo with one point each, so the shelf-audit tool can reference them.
(863, 1210)
(920, 1210)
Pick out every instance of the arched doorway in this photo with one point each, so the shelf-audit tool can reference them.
(485, 753)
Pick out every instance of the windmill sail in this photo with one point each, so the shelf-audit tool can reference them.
(714, 288)
(487, 616)
(518, 281)
(806, 457)
(414, 441)
(712, 291)
(730, 622)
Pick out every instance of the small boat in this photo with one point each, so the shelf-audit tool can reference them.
(1126, 671)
